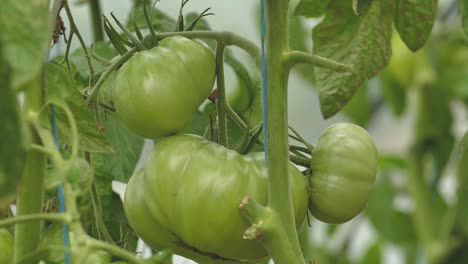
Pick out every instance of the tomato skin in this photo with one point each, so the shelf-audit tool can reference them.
(6, 246)
(157, 91)
(344, 167)
(192, 188)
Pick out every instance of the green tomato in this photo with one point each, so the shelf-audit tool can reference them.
(187, 199)
(344, 166)
(157, 91)
(6, 246)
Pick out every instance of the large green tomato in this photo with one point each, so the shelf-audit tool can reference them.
(187, 199)
(6, 246)
(344, 166)
(156, 92)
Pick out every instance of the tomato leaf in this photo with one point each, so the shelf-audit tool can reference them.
(59, 84)
(414, 21)
(24, 38)
(119, 165)
(311, 8)
(360, 41)
(12, 152)
(361, 6)
(90, 138)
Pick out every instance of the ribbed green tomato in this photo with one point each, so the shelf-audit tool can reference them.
(188, 199)
(6, 246)
(157, 91)
(344, 166)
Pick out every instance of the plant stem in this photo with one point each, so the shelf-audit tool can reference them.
(422, 215)
(114, 251)
(279, 198)
(33, 217)
(96, 20)
(95, 90)
(225, 37)
(74, 28)
(295, 57)
(221, 101)
(31, 192)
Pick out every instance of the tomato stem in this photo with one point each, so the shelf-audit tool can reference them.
(221, 101)
(74, 28)
(281, 239)
(31, 192)
(114, 250)
(95, 90)
(60, 217)
(225, 37)
(295, 57)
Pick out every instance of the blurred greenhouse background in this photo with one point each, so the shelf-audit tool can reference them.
(392, 135)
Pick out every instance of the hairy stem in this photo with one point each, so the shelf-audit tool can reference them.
(279, 198)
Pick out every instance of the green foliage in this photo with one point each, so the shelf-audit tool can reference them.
(311, 8)
(414, 20)
(12, 138)
(24, 38)
(362, 42)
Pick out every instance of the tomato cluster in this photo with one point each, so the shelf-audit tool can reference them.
(187, 196)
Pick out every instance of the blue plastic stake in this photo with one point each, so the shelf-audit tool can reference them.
(60, 187)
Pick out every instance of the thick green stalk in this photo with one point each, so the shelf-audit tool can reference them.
(277, 132)
(96, 20)
(422, 215)
(221, 101)
(31, 191)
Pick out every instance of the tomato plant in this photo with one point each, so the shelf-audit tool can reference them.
(214, 168)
